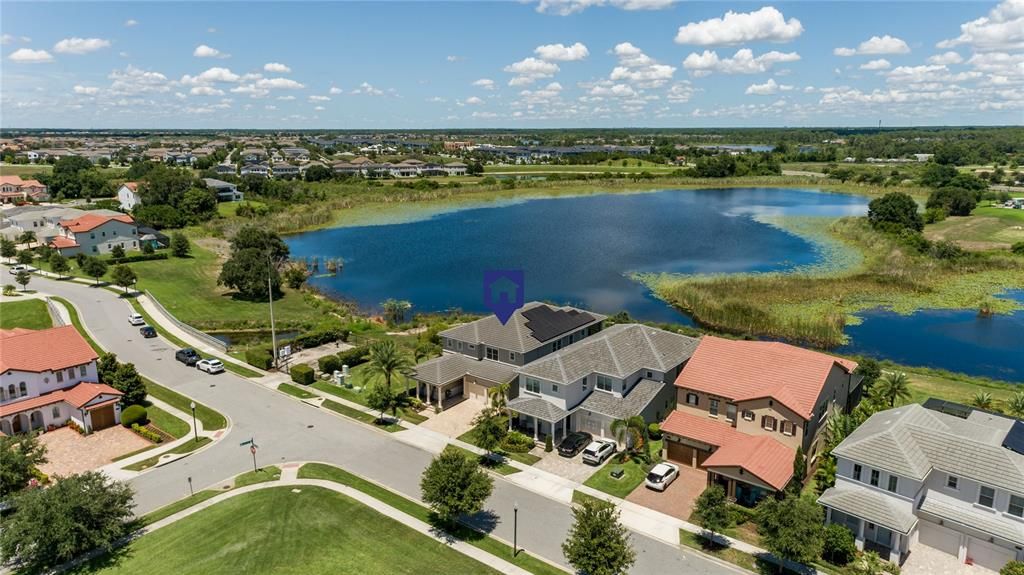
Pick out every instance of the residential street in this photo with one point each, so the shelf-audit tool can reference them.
(288, 430)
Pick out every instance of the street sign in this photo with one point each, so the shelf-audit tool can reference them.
(246, 442)
(253, 449)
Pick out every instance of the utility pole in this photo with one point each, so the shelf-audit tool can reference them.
(270, 298)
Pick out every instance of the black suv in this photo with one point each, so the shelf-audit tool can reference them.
(574, 443)
(188, 356)
(147, 331)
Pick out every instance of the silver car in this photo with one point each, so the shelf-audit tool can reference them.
(210, 365)
(661, 476)
(598, 451)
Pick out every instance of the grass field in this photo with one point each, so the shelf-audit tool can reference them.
(167, 422)
(499, 467)
(314, 531)
(634, 473)
(295, 391)
(211, 419)
(987, 227)
(28, 314)
(362, 416)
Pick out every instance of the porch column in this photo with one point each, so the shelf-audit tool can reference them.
(860, 535)
(894, 551)
(565, 426)
(535, 426)
(732, 489)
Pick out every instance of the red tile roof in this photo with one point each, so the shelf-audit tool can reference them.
(31, 403)
(93, 221)
(702, 429)
(745, 370)
(759, 455)
(133, 186)
(78, 396)
(85, 392)
(44, 350)
(62, 242)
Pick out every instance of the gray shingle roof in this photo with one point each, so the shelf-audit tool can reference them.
(618, 351)
(964, 513)
(868, 504)
(513, 336)
(449, 367)
(911, 441)
(622, 407)
(537, 407)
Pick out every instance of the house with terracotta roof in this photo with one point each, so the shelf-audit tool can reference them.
(128, 196)
(48, 378)
(745, 407)
(14, 189)
(95, 233)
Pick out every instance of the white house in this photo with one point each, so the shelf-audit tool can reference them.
(225, 191)
(455, 169)
(128, 196)
(96, 233)
(49, 378)
(255, 170)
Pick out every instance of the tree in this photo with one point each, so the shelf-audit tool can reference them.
(825, 474)
(499, 400)
(22, 278)
(21, 455)
(94, 268)
(8, 249)
(712, 509)
(198, 205)
(106, 367)
(387, 361)
(490, 428)
(180, 247)
(799, 466)
(895, 387)
(164, 185)
(123, 276)
(895, 210)
(870, 370)
(633, 433)
(59, 264)
(246, 271)
(838, 545)
(791, 528)
(147, 247)
(26, 257)
(27, 238)
(395, 310)
(160, 216)
(117, 252)
(295, 275)
(318, 173)
(76, 514)
(956, 201)
(381, 398)
(1015, 405)
(598, 544)
(982, 400)
(127, 380)
(256, 237)
(1013, 568)
(454, 484)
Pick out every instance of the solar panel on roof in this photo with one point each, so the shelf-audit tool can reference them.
(1014, 440)
(545, 323)
(948, 407)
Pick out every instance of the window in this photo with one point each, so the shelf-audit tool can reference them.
(23, 389)
(1016, 507)
(11, 394)
(650, 375)
(952, 482)
(874, 477)
(748, 415)
(71, 373)
(768, 423)
(556, 345)
(60, 376)
(788, 428)
(713, 410)
(893, 483)
(460, 346)
(604, 382)
(492, 353)
(986, 496)
(532, 385)
(56, 412)
(92, 235)
(554, 388)
(856, 471)
(692, 399)
(730, 411)
(511, 356)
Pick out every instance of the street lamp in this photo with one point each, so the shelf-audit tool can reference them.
(190, 492)
(195, 429)
(515, 528)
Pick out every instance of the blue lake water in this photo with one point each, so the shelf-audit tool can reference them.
(580, 250)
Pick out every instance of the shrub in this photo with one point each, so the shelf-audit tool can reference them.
(138, 258)
(548, 445)
(329, 363)
(1017, 248)
(839, 546)
(76, 427)
(319, 337)
(259, 357)
(147, 434)
(934, 215)
(516, 442)
(739, 514)
(133, 414)
(956, 201)
(946, 250)
(303, 374)
(355, 356)
(654, 431)
(1013, 568)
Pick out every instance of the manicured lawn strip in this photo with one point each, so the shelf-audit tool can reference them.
(186, 447)
(28, 314)
(579, 497)
(339, 391)
(134, 453)
(167, 423)
(635, 471)
(77, 322)
(212, 420)
(410, 507)
(739, 558)
(359, 415)
(524, 458)
(412, 416)
(168, 510)
(500, 467)
(259, 476)
(295, 391)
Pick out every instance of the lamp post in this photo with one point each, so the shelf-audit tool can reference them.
(270, 298)
(190, 492)
(515, 528)
(195, 429)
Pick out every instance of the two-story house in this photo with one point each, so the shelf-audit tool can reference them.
(128, 196)
(912, 477)
(225, 191)
(745, 407)
(96, 233)
(624, 371)
(49, 377)
(483, 354)
(14, 189)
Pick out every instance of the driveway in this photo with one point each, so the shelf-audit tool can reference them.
(570, 468)
(69, 452)
(678, 499)
(455, 420)
(924, 560)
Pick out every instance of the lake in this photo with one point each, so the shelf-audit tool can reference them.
(580, 250)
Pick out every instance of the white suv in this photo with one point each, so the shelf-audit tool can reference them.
(661, 476)
(598, 451)
(136, 319)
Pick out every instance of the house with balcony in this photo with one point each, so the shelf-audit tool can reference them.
(49, 378)
(916, 480)
(96, 233)
(13, 189)
(745, 407)
(623, 371)
(485, 353)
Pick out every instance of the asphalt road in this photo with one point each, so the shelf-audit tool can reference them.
(287, 430)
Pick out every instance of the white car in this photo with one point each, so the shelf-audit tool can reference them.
(598, 451)
(661, 476)
(22, 268)
(136, 319)
(210, 365)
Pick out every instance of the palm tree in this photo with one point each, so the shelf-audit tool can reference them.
(1015, 405)
(982, 400)
(499, 401)
(387, 361)
(840, 425)
(394, 310)
(895, 387)
(632, 431)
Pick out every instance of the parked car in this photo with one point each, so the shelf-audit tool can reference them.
(188, 356)
(147, 331)
(210, 365)
(661, 476)
(22, 268)
(573, 443)
(598, 451)
(136, 319)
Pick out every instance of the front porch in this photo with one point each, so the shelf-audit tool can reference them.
(539, 419)
(743, 493)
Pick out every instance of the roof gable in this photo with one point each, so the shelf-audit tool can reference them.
(44, 350)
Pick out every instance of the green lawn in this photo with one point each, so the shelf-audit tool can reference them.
(635, 471)
(986, 227)
(186, 447)
(212, 420)
(524, 458)
(28, 314)
(354, 396)
(295, 391)
(167, 422)
(315, 531)
(359, 415)
(180, 504)
(488, 463)
(259, 476)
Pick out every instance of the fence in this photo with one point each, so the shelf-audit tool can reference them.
(55, 315)
(204, 337)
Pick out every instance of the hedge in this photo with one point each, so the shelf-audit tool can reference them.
(303, 374)
(132, 415)
(259, 357)
(355, 356)
(138, 258)
(150, 435)
(329, 364)
(319, 337)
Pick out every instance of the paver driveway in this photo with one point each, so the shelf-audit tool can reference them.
(924, 560)
(677, 500)
(455, 420)
(70, 452)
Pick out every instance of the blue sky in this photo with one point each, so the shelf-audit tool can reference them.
(553, 63)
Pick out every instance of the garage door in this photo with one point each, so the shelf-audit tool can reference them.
(476, 391)
(987, 555)
(102, 418)
(681, 453)
(938, 537)
(593, 425)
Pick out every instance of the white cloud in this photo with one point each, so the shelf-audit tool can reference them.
(319, 108)
(436, 100)
(680, 92)
(334, 91)
(454, 58)
(485, 83)
(278, 84)
(876, 45)
(316, 98)
(286, 98)
(928, 74)
(215, 74)
(545, 95)
(180, 96)
(946, 58)
(130, 23)
(205, 91)
(6, 39)
(29, 56)
(270, 107)
(764, 25)
(474, 101)
(639, 68)
(484, 115)
(561, 52)
(276, 68)
(134, 80)
(530, 70)
(613, 90)
(767, 89)
(80, 45)
(211, 30)
(204, 51)
(742, 62)
(251, 90)
(1002, 29)
(86, 90)
(879, 64)
(368, 89)
(567, 7)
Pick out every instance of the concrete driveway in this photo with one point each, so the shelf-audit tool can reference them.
(678, 499)
(69, 452)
